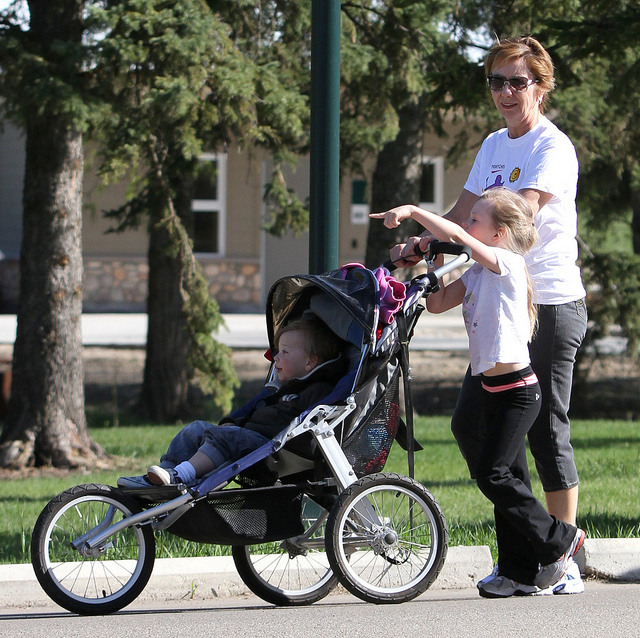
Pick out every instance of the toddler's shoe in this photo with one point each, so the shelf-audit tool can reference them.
(503, 587)
(163, 476)
(551, 574)
(134, 481)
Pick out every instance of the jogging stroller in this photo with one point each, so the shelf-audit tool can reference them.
(297, 525)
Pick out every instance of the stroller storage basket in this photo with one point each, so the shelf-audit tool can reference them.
(367, 448)
(244, 516)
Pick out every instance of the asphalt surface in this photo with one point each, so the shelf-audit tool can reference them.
(603, 610)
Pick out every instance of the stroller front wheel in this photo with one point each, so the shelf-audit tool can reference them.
(387, 538)
(91, 580)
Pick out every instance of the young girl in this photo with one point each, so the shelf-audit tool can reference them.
(534, 548)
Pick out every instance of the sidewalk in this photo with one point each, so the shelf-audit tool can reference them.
(443, 332)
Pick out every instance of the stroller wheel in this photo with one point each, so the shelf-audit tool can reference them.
(290, 572)
(387, 538)
(98, 580)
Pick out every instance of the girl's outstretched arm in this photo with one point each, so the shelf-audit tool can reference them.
(442, 229)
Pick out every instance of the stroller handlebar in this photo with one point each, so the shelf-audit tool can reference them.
(435, 248)
(445, 248)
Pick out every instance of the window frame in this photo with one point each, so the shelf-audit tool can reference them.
(218, 205)
(436, 206)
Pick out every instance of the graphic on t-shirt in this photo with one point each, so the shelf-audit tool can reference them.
(498, 183)
(515, 173)
(468, 303)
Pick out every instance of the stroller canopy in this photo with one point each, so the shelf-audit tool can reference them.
(347, 300)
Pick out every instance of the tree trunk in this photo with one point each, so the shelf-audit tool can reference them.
(166, 375)
(396, 181)
(45, 422)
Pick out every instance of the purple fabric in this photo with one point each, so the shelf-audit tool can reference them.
(392, 291)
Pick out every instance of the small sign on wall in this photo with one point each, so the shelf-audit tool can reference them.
(359, 206)
(359, 214)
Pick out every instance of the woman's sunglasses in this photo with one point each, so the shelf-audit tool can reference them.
(517, 83)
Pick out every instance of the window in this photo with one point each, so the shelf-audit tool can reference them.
(209, 204)
(432, 184)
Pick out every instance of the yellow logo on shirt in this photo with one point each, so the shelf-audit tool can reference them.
(515, 173)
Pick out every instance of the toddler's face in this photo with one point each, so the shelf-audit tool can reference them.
(292, 359)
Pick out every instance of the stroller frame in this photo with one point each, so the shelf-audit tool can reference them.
(382, 536)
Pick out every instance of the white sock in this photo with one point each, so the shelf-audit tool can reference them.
(186, 472)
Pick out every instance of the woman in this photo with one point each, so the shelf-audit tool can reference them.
(532, 156)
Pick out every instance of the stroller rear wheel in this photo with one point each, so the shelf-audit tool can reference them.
(98, 580)
(290, 572)
(386, 538)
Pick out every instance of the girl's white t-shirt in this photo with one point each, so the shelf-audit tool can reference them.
(543, 159)
(496, 312)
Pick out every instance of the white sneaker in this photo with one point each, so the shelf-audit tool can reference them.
(571, 582)
(503, 587)
(551, 574)
(163, 476)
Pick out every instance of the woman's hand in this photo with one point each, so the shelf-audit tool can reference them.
(393, 217)
(406, 255)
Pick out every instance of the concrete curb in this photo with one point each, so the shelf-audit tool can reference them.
(613, 559)
(176, 579)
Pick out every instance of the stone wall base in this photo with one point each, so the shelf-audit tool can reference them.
(117, 284)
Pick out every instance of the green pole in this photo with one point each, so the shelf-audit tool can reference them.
(325, 136)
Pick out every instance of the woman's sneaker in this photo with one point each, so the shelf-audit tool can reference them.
(503, 587)
(551, 574)
(571, 582)
(163, 476)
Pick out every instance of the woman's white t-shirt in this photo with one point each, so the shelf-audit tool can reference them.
(496, 312)
(543, 159)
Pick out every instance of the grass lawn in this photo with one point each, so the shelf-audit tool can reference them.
(607, 454)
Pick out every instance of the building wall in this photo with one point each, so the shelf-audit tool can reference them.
(116, 273)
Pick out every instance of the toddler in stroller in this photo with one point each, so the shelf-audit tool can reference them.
(308, 363)
(298, 523)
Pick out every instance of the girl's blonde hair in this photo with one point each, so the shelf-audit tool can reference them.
(512, 211)
(536, 57)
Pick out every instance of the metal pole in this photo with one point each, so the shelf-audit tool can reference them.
(325, 136)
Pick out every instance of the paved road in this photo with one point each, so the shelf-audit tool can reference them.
(603, 610)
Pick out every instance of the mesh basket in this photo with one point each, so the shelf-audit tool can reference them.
(368, 447)
(244, 516)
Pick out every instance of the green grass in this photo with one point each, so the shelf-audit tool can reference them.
(607, 455)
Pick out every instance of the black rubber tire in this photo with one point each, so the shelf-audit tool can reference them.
(91, 584)
(282, 578)
(401, 557)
